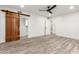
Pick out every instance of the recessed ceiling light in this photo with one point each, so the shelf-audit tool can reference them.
(22, 6)
(71, 7)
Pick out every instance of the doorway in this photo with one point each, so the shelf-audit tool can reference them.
(23, 27)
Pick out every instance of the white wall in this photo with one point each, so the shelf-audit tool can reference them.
(37, 25)
(67, 25)
(2, 27)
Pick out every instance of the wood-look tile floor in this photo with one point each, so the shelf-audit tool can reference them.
(42, 45)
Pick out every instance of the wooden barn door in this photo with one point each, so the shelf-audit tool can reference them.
(12, 26)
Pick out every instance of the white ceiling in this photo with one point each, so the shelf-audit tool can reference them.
(59, 10)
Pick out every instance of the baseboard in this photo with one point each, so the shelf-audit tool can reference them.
(42, 36)
(66, 37)
(35, 37)
(23, 37)
(45, 36)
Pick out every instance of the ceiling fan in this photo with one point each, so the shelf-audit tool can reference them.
(49, 8)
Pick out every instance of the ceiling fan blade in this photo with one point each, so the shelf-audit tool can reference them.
(50, 12)
(51, 8)
(42, 10)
